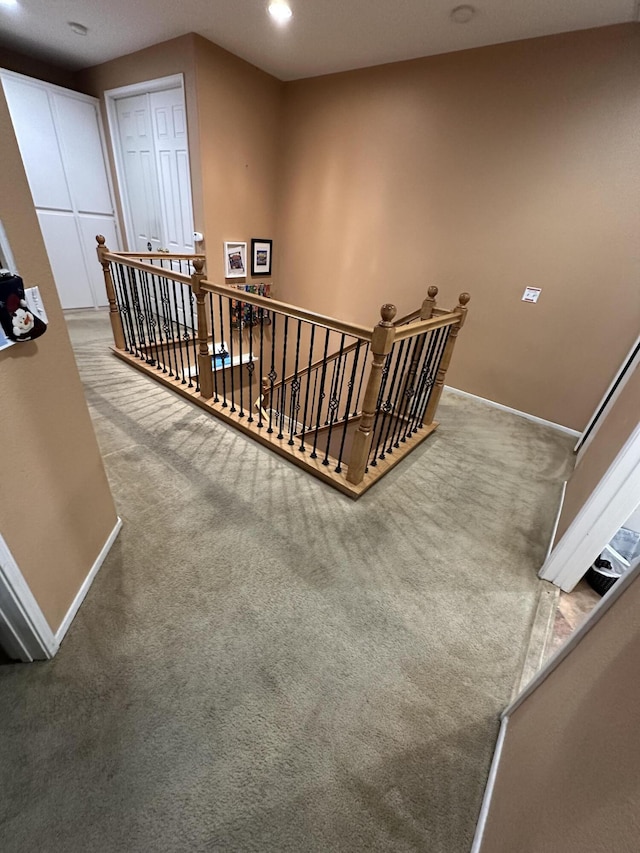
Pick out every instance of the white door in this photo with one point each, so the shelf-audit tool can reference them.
(172, 159)
(154, 160)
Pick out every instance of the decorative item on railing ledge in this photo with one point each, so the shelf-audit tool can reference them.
(298, 382)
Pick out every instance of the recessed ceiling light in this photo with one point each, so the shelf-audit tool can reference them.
(462, 14)
(78, 29)
(8, 3)
(280, 11)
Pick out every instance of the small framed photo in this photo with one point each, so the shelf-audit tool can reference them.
(235, 260)
(261, 256)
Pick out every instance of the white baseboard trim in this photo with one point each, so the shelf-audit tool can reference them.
(488, 791)
(525, 415)
(84, 589)
(556, 522)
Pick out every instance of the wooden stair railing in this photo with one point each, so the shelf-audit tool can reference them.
(298, 382)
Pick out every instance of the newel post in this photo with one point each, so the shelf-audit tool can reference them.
(429, 303)
(438, 385)
(205, 368)
(381, 343)
(114, 311)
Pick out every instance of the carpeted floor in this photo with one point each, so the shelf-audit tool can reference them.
(263, 665)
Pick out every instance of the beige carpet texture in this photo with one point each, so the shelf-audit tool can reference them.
(263, 665)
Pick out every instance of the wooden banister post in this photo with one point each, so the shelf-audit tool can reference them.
(114, 311)
(429, 303)
(381, 343)
(438, 385)
(205, 364)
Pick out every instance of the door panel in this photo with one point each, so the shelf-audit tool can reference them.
(80, 138)
(172, 152)
(36, 134)
(62, 240)
(137, 148)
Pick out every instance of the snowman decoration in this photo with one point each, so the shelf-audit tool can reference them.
(18, 321)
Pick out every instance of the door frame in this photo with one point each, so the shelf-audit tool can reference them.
(601, 608)
(111, 96)
(24, 630)
(626, 369)
(605, 511)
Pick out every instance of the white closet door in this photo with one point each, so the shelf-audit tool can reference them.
(79, 134)
(139, 161)
(172, 157)
(64, 247)
(38, 142)
(90, 226)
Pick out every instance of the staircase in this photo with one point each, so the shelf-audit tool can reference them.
(342, 401)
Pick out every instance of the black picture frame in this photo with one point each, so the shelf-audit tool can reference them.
(261, 251)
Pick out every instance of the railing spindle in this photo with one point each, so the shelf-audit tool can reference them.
(272, 375)
(241, 366)
(306, 395)
(216, 398)
(345, 420)
(295, 389)
(321, 395)
(381, 343)
(283, 386)
(222, 366)
(334, 402)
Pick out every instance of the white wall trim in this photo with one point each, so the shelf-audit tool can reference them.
(614, 499)
(86, 585)
(488, 791)
(525, 415)
(21, 615)
(618, 382)
(557, 521)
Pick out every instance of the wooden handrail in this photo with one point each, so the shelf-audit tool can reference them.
(117, 257)
(170, 256)
(448, 319)
(331, 323)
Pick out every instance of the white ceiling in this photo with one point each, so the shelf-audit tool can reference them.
(323, 36)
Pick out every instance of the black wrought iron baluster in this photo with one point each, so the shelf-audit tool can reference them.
(283, 384)
(222, 364)
(345, 420)
(176, 330)
(261, 369)
(334, 402)
(241, 366)
(343, 370)
(151, 320)
(272, 375)
(388, 407)
(407, 388)
(446, 331)
(142, 303)
(135, 313)
(382, 411)
(432, 339)
(322, 395)
(166, 323)
(306, 396)
(362, 373)
(393, 421)
(232, 369)
(125, 313)
(216, 398)
(250, 366)
(185, 334)
(160, 365)
(295, 390)
(332, 384)
(194, 345)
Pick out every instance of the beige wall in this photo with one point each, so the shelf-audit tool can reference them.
(568, 778)
(609, 440)
(233, 123)
(21, 64)
(485, 170)
(56, 510)
(240, 119)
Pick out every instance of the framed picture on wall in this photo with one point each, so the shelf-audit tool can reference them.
(261, 256)
(235, 260)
